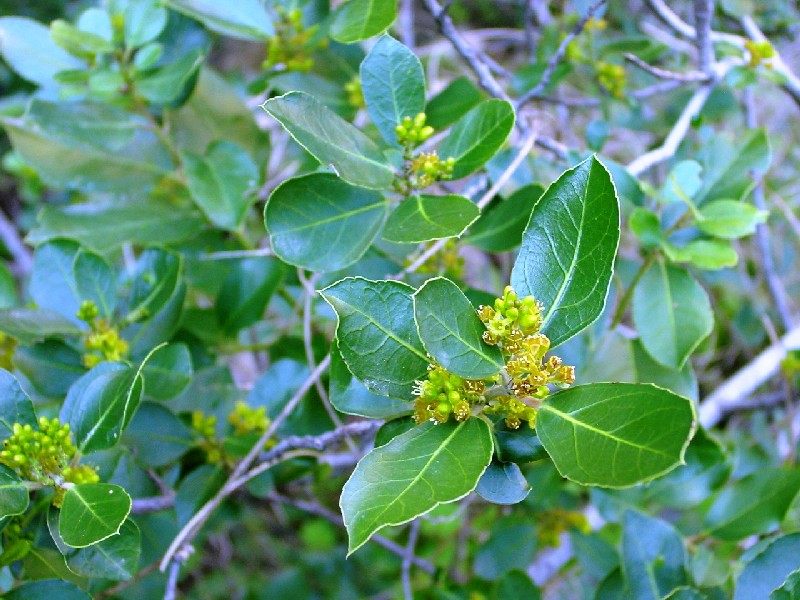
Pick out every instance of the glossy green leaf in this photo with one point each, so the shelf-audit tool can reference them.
(451, 331)
(95, 281)
(411, 475)
(14, 496)
(423, 218)
(219, 182)
(769, 569)
(477, 136)
(101, 404)
(168, 371)
(500, 228)
(247, 291)
(144, 21)
(753, 505)
(357, 20)
(519, 446)
(704, 254)
(171, 84)
(515, 584)
(332, 140)
(377, 336)
(243, 19)
(115, 558)
(647, 227)
(350, 396)
(729, 168)
(92, 512)
(89, 147)
(393, 85)
(30, 325)
(156, 276)
(790, 589)
(730, 219)
(104, 226)
(47, 588)
(671, 312)
(615, 434)
(15, 405)
(321, 223)
(568, 249)
(453, 102)
(157, 328)
(30, 51)
(652, 557)
(156, 436)
(503, 483)
(51, 366)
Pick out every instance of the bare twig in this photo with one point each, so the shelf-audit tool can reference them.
(686, 77)
(730, 395)
(152, 504)
(792, 83)
(408, 559)
(233, 254)
(171, 589)
(703, 13)
(670, 18)
(23, 260)
(556, 59)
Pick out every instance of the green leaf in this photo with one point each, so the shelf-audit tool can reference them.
(168, 371)
(500, 228)
(51, 367)
(453, 102)
(115, 558)
(30, 51)
(769, 569)
(159, 328)
(671, 312)
(753, 505)
(503, 483)
(477, 136)
(92, 512)
(423, 218)
(331, 140)
(451, 331)
(156, 277)
(515, 584)
(413, 474)
(393, 85)
(31, 325)
(568, 249)
(790, 589)
(105, 226)
(519, 446)
(357, 20)
(321, 223)
(14, 495)
(704, 254)
(172, 84)
(100, 405)
(156, 436)
(15, 405)
(47, 588)
(95, 281)
(683, 181)
(652, 557)
(219, 181)
(730, 168)
(350, 396)
(615, 434)
(196, 489)
(377, 336)
(511, 546)
(8, 288)
(647, 227)
(243, 19)
(89, 147)
(144, 21)
(730, 219)
(247, 291)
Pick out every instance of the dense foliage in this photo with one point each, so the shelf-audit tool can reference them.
(375, 300)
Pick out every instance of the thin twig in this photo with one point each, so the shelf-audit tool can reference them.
(791, 84)
(405, 22)
(670, 18)
(233, 254)
(703, 13)
(556, 59)
(408, 559)
(171, 589)
(23, 259)
(686, 77)
(152, 504)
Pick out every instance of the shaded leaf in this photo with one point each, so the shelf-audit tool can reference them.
(423, 218)
(115, 558)
(769, 569)
(503, 483)
(500, 228)
(243, 19)
(246, 292)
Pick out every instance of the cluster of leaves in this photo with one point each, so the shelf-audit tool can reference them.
(158, 339)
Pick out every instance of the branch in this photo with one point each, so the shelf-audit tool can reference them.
(23, 260)
(670, 18)
(730, 395)
(408, 559)
(703, 12)
(142, 506)
(559, 55)
(687, 77)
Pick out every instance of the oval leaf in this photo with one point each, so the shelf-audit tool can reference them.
(331, 140)
(15, 405)
(503, 483)
(115, 558)
(14, 495)
(423, 218)
(319, 222)
(451, 330)
(615, 434)
(652, 563)
(358, 20)
(413, 474)
(769, 569)
(500, 228)
(671, 312)
(568, 250)
(393, 85)
(477, 136)
(92, 512)
(377, 336)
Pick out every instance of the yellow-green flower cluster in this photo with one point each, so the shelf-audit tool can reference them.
(427, 168)
(443, 394)
(612, 78)
(8, 346)
(553, 523)
(355, 96)
(411, 132)
(206, 428)
(246, 419)
(760, 53)
(290, 46)
(44, 455)
(512, 325)
(102, 340)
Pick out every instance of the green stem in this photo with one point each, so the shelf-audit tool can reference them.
(626, 298)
